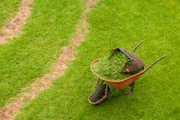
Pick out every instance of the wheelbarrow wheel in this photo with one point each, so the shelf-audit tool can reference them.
(101, 93)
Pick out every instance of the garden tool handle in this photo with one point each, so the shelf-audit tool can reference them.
(154, 63)
(137, 46)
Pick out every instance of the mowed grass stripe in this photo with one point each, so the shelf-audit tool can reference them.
(120, 24)
(31, 55)
(8, 8)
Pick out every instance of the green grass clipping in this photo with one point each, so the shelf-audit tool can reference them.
(109, 68)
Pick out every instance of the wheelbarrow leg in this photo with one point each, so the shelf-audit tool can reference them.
(132, 87)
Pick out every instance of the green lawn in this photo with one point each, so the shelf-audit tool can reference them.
(8, 8)
(32, 54)
(115, 23)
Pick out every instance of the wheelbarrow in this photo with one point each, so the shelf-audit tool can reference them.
(103, 90)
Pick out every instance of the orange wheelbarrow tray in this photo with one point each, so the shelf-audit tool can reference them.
(120, 84)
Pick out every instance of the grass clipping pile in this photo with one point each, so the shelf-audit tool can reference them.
(109, 68)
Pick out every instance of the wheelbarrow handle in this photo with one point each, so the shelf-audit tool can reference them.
(154, 63)
(137, 46)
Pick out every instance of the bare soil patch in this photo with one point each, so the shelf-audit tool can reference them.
(14, 27)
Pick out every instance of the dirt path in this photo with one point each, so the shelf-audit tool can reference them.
(43, 83)
(13, 28)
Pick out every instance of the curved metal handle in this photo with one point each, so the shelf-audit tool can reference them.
(154, 63)
(137, 46)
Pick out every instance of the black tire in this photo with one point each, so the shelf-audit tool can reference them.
(99, 93)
